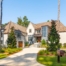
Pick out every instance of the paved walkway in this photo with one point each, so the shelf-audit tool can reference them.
(26, 57)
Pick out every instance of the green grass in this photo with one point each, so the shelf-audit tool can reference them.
(51, 60)
(2, 55)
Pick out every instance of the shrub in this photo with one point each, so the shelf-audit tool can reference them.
(2, 51)
(41, 52)
(45, 52)
(43, 42)
(26, 44)
(64, 45)
(59, 45)
(13, 50)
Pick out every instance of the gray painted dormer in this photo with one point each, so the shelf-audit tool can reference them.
(18, 35)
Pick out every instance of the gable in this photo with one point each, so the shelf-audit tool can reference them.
(30, 27)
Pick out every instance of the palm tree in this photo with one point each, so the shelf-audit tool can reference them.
(1, 1)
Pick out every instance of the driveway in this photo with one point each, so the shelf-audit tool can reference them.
(26, 57)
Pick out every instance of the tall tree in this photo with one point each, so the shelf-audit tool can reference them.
(24, 22)
(1, 2)
(19, 21)
(11, 39)
(53, 37)
(48, 20)
(3, 25)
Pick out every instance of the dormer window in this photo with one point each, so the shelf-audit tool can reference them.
(38, 31)
(30, 30)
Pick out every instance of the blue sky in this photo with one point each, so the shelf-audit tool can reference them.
(36, 10)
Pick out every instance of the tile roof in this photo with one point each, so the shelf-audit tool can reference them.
(16, 27)
(59, 26)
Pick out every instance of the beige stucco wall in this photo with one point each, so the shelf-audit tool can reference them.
(5, 39)
(62, 37)
(32, 29)
(26, 37)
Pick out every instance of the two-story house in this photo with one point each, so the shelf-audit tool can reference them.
(37, 32)
(33, 33)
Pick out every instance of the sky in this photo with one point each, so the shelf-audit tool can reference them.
(37, 11)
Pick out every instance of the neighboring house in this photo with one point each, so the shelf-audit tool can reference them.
(20, 33)
(37, 32)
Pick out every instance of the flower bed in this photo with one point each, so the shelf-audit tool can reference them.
(50, 58)
(9, 51)
(46, 53)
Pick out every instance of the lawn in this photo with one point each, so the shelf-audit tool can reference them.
(51, 60)
(2, 55)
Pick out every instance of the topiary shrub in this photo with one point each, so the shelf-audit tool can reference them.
(41, 52)
(11, 41)
(43, 42)
(64, 45)
(53, 37)
(26, 43)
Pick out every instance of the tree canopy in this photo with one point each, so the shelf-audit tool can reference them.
(23, 21)
(11, 39)
(53, 37)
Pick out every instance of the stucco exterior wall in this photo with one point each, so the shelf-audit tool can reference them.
(62, 37)
(5, 39)
(32, 29)
(26, 37)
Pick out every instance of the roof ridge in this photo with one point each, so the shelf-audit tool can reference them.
(42, 23)
(16, 24)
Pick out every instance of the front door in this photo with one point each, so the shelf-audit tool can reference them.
(38, 39)
(20, 44)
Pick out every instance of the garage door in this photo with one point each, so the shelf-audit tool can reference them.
(20, 44)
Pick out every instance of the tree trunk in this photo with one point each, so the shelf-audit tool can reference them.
(0, 24)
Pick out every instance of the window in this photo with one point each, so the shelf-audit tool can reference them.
(18, 33)
(38, 31)
(44, 31)
(29, 30)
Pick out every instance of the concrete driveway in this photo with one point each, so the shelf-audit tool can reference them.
(26, 57)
